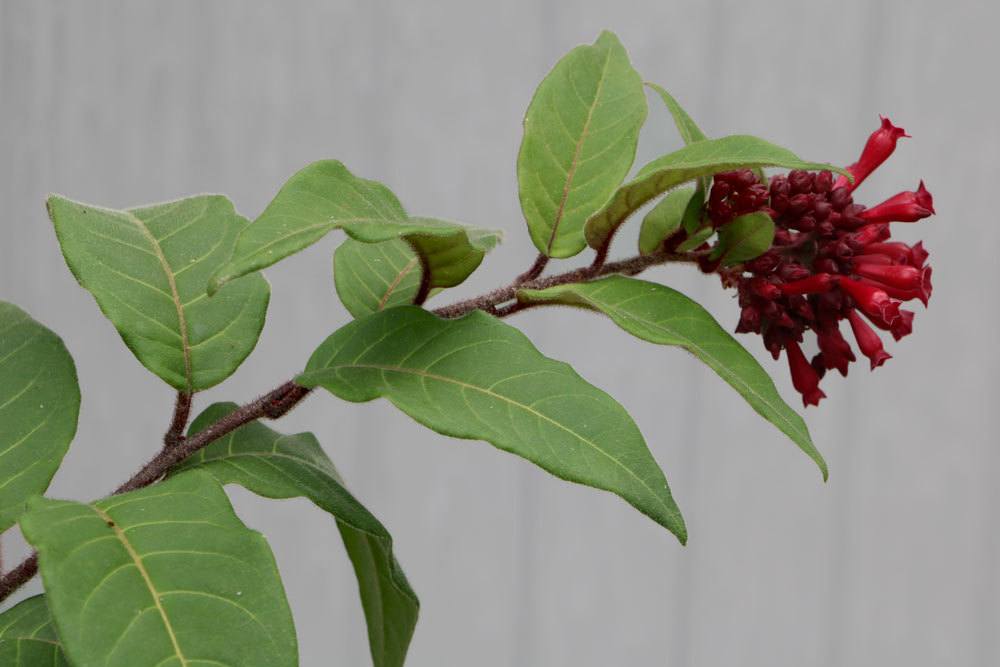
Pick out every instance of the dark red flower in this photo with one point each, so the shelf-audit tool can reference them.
(902, 207)
(831, 259)
(878, 148)
(868, 341)
(804, 376)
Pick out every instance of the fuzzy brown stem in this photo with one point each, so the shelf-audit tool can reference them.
(182, 410)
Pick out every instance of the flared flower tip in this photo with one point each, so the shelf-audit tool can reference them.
(868, 341)
(805, 379)
(877, 150)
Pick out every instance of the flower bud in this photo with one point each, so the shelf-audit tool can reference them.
(805, 379)
(868, 341)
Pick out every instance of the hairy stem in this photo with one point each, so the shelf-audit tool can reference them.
(276, 403)
(182, 410)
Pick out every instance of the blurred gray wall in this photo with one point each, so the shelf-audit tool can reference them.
(896, 561)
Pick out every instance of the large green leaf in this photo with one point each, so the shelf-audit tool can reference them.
(663, 220)
(148, 269)
(275, 465)
(374, 276)
(480, 379)
(658, 314)
(28, 637)
(166, 576)
(39, 405)
(702, 158)
(325, 196)
(580, 137)
(744, 238)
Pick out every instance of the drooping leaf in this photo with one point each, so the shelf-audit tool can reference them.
(702, 158)
(28, 636)
(39, 406)
(374, 276)
(480, 379)
(694, 214)
(663, 220)
(325, 196)
(580, 136)
(744, 238)
(275, 465)
(658, 314)
(148, 269)
(688, 129)
(164, 576)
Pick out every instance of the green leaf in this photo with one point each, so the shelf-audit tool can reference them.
(31, 653)
(28, 637)
(689, 130)
(167, 575)
(373, 276)
(660, 315)
(694, 214)
(480, 379)
(325, 196)
(580, 135)
(148, 269)
(696, 239)
(275, 465)
(663, 220)
(39, 406)
(744, 238)
(703, 158)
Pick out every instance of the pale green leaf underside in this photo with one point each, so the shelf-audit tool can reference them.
(744, 238)
(39, 406)
(688, 129)
(480, 379)
(148, 269)
(275, 465)
(658, 314)
(702, 158)
(28, 636)
(696, 239)
(374, 276)
(580, 136)
(663, 220)
(324, 196)
(167, 576)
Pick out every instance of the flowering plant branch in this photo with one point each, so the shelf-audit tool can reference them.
(165, 567)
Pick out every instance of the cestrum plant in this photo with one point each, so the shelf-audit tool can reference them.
(162, 571)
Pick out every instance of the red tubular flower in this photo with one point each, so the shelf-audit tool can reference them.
(872, 300)
(836, 351)
(868, 340)
(902, 207)
(895, 275)
(805, 379)
(878, 148)
(814, 284)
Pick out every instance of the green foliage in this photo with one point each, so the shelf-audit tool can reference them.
(696, 160)
(478, 378)
(39, 405)
(688, 129)
(663, 220)
(374, 276)
(325, 196)
(162, 576)
(660, 315)
(148, 269)
(744, 238)
(580, 136)
(275, 465)
(28, 637)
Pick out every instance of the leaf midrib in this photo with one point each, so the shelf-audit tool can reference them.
(154, 593)
(576, 154)
(526, 408)
(175, 296)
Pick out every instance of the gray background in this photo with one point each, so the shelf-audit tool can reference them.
(893, 562)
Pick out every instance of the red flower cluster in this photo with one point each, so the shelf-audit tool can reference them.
(831, 260)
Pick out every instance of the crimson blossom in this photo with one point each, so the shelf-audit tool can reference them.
(831, 260)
